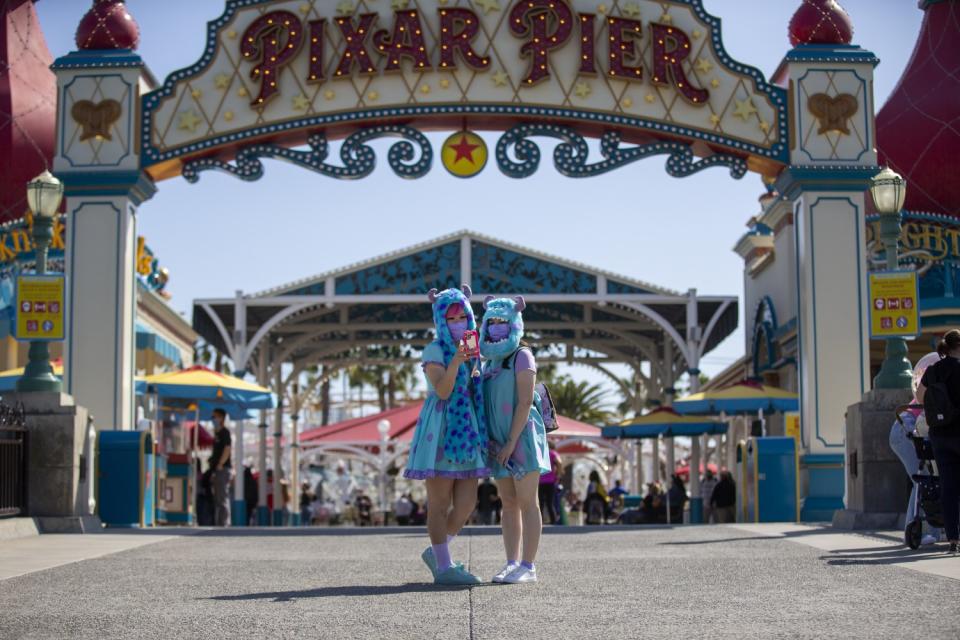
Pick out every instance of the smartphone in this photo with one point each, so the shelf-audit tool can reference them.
(515, 469)
(471, 341)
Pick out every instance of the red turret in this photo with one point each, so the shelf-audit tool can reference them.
(28, 104)
(820, 22)
(108, 25)
(918, 129)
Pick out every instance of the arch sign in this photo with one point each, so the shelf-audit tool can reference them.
(646, 77)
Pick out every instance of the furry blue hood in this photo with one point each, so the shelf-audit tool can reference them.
(441, 302)
(509, 310)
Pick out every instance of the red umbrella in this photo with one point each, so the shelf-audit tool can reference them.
(204, 438)
(684, 471)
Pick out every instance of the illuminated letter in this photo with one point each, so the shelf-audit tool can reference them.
(316, 50)
(272, 41)
(623, 45)
(356, 39)
(548, 23)
(458, 28)
(588, 56)
(671, 47)
(407, 42)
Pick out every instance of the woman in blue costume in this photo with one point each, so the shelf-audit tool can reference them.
(449, 444)
(518, 440)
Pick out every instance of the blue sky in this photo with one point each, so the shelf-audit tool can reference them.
(222, 234)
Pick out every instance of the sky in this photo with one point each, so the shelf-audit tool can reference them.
(221, 234)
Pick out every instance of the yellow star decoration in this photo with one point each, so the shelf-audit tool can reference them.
(627, 102)
(704, 65)
(329, 94)
(745, 109)
(221, 81)
(444, 83)
(696, 34)
(488, 5)
(602, 9)
(582, 89)
(232, 34)
(714, 83)
(228, 115)
(666, 19)
(189, 120)
(373, 95)
(304, 8)
(345, 8)
(442, 2)
(649, 98)
(425, 89)
(500, 79)
(764, 126)
(631, 9)
(300, 102)
(396, 5)
(714, 119)
(242, 92)
(197, 93)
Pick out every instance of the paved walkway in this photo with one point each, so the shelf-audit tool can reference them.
(749, 581)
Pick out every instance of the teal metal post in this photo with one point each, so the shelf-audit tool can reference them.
(896, 372)
(38, 374)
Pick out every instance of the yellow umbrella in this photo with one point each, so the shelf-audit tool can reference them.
(744, 397)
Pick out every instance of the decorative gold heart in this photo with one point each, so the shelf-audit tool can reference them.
(96, 119)
(833, 112)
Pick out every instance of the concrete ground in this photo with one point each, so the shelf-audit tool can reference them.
(756, 581)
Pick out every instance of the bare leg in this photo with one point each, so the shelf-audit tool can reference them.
(509, 518)
(439, 497)
(529, 507)
(464, 502)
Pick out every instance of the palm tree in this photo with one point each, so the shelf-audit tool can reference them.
(580, 400)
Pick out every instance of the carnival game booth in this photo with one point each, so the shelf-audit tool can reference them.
(666, 423)
(185, 398)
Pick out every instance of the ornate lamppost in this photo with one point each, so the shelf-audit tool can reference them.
(44, 194)
(889, 190)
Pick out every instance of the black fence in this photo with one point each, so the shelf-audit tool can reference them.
(13, 461)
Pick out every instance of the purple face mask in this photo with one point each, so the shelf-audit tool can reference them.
(498, 332)
(457, 329)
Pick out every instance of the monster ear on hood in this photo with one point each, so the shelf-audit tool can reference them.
(432, 295)
(521, 303)
(467, 291)
(488, 300)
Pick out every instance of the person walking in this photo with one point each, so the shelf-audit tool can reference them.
(723, 499)
(942, 382)
(518, 438)
(487, 499)
(403, 509)
(306, 498)
(677, 499)
(220, 468)
(449, 442)
(903, 428)
(707, 485)
(547, 490)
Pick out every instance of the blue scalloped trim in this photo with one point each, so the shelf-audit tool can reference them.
(151, 155)
(416, 474)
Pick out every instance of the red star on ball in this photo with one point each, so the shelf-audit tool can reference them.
(464, 150)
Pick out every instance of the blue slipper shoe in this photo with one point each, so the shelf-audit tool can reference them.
(456, 575)
(431, 562)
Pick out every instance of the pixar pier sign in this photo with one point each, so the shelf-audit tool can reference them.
(284, 70)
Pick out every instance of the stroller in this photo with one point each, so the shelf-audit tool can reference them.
(928, 488)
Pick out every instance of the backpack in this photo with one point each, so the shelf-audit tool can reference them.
(546, 406)
(938, 407)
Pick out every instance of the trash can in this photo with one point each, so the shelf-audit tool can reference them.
(769, 476)
(126, 478)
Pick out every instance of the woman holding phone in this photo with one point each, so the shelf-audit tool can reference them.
(449, 444)
(518, 439)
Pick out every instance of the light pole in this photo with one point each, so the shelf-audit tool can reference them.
(889, 190)
(44, 194)
(384, 428)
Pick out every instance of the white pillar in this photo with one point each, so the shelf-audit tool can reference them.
(295, 453)
(104, 185)
(693, 370)
(655, 475)
(239, 519)
(277, 436)
(832, 158)
(263, 516)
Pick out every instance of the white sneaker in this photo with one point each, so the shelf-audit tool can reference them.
(508, 568)
(929, 539)
(521, 575)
